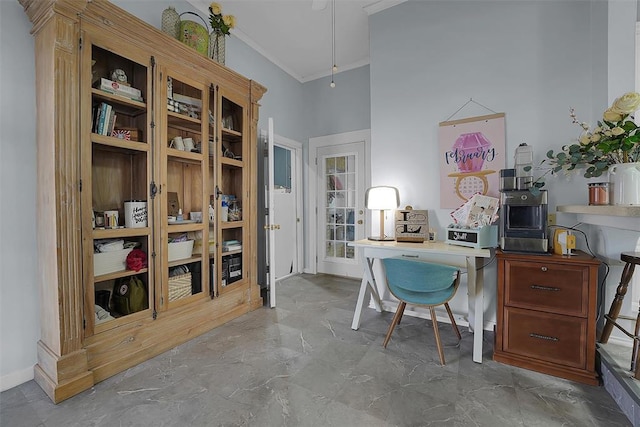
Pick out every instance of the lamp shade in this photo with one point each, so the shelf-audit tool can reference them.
(382, 197)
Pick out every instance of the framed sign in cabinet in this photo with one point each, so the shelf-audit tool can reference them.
(130, 117)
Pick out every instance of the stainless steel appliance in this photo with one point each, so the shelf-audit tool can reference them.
(523, 222)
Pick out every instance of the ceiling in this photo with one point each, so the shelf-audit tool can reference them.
(296, 34)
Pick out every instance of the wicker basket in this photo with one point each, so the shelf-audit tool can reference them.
(179, 286)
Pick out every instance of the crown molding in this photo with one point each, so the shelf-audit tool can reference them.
(381, 5)
(237, 32)
(341, 69)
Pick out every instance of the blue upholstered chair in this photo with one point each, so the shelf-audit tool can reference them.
(417, 282)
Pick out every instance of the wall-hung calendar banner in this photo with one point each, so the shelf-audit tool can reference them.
(472, 152)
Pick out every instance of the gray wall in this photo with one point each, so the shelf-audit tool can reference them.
(344, 108)
(19, 304)
(532, 60)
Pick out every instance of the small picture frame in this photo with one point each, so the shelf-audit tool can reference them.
(412, 225)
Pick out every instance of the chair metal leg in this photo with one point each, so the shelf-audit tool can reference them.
(616, 304)
(453, 322)
(434, 319)
(394, 322)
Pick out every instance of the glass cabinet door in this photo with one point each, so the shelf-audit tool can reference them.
(231, 189)
(183, 212)
(116, 182)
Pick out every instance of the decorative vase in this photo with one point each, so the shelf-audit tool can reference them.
(170, 22)
(217, 47)
(624, 179)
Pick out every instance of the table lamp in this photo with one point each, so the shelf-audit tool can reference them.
(382, 198)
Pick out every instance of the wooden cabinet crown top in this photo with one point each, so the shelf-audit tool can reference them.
(109, 17)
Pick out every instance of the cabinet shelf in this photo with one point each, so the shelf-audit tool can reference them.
(178, 228)
(231, 224)
(237, 251)
(104, 233)
(180, 121)
(118, 275)
(125, 104)
(118, 320)
(184, 155)
(226, 161)
(233, 135)
(117, 143)
(184, 261)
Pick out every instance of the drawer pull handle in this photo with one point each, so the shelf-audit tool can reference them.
(544, 268)
(410, 256)
(545, 288)
(543, 337)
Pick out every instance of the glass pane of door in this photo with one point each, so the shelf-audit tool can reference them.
(340, 178)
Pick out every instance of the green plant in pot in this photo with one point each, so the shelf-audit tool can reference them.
(615, 140)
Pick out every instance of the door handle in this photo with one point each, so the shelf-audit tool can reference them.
(359, 221)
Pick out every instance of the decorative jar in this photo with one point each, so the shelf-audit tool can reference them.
(217, 46)
(599, 193)
(170, 22)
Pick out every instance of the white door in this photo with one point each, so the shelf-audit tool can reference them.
(286, 214)
(340, 201)
(285, 209)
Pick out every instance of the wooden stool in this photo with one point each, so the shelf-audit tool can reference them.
(631, 259)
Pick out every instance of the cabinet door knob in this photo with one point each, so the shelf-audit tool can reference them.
(544, 269)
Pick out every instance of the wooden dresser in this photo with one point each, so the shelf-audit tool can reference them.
(546, 314)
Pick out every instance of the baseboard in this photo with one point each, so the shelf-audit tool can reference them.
(14, 379)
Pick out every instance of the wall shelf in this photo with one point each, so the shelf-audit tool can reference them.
(622, 217)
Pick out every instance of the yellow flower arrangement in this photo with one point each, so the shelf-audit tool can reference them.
(616, 139)
(220, 23)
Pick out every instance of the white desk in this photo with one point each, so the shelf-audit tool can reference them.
(460, 256)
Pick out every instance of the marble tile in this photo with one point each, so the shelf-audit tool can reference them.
(301, 364)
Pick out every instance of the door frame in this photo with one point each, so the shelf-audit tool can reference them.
(311, 193)
(296, 148)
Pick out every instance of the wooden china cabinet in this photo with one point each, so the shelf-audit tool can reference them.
(106, 148)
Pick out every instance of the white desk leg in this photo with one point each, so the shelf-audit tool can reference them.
(475, 281)
(367, 286)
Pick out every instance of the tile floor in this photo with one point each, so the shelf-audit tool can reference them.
(302, 365)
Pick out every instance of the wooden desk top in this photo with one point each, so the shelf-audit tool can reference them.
(426, 247)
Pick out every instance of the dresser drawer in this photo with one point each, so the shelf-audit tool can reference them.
(558, 288)
(546, 336)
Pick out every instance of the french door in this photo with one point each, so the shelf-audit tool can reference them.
(340, 207)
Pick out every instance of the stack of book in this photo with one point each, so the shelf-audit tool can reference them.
(231, 245)
(104, 119)
(120, 89)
